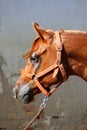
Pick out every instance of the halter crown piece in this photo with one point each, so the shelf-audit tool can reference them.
(56, 67)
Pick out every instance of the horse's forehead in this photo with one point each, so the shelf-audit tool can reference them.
(36, 42)
(35, 46)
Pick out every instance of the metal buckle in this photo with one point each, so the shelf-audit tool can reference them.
(43, 104)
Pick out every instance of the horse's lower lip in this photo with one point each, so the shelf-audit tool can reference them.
(27, 98)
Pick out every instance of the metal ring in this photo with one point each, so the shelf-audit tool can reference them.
(43, 105)
(44, 102)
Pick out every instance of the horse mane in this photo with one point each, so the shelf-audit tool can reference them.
(76, 32)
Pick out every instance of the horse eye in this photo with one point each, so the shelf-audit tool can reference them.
(34, 58)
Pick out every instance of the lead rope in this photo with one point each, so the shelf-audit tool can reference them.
(41, 108)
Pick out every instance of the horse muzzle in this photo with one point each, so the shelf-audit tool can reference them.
(23, 94)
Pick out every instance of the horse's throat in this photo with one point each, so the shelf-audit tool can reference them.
(78, 68)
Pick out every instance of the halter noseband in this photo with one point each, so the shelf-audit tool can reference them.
(55, 67)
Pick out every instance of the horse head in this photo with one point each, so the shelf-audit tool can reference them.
(43, 61)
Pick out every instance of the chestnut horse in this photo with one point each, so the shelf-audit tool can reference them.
(54, 56)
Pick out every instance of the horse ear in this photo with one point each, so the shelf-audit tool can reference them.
(41, 31)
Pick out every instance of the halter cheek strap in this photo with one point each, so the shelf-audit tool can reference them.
(55, 67)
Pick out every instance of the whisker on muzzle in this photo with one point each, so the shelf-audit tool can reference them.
(15, 92)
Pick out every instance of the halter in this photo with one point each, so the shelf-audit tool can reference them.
(55, 67)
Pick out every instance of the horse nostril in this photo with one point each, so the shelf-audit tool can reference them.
(27, 98)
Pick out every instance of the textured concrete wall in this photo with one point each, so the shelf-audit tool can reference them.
(67, 108)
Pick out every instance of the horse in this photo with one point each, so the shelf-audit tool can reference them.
(52, 59)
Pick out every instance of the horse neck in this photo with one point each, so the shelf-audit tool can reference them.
(75, 45)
